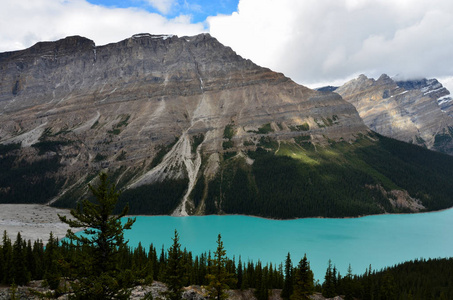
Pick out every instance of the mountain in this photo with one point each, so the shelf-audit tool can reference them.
(416, 111)
(183, 125)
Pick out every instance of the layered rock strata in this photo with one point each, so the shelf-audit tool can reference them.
(151, 108)
(417, 111)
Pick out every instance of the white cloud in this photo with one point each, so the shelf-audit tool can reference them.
(164, 6)
(315, 41)
(448, 83)
(25, 22)
(312, 41)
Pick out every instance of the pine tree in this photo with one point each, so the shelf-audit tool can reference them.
(387, 287)
(52, 273)
(174, 273)
(288, 283)
(20, 273)
(261, 291)
(30, 260)
(348, 288)
(303, 280)
(2, 263)
(328, 288)
(7, 253)
(162, 265)
(38, 257)
(97, 274)
(239, 274)
(218, 277)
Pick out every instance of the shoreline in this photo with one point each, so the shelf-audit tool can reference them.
(36, 221)
(318, 217)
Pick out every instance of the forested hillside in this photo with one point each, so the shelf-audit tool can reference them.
(373, 175)
(23, 261)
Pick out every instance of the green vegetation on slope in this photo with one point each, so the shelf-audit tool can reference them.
(26, 182)
(418, 279)
(338, 180)
(154, 199)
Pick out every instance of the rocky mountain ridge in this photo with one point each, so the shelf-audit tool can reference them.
(414, 111)
(148, 109)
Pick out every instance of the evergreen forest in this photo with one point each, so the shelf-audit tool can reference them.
(22, 261)
(292, 180)
(287, 179)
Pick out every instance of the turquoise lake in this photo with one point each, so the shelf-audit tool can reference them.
(381, 241)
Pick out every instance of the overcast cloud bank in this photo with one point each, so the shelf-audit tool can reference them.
(315, 42)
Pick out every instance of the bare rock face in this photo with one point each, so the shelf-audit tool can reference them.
(417, 111)
(149, 108)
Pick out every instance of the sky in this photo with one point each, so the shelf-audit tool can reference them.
(314, 42)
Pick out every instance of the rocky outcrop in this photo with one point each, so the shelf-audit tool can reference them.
(153, 291)
(148, 109)
(417, 111)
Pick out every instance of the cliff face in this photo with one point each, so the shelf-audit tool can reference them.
(148, 109)
(417, 112)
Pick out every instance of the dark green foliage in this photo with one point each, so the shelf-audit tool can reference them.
(19, 270)
(420, 140)
(268, 142)
(328, 287)
(228, 132)
(303, 127)
(443, 141)
(338, 180)
(302, 139)
(236, 184)
(96, 272)
(327, 121)
(157, 198)
(265, 129)
(423, 173)
(287, 290)
(196, 141)
(23, 182)
(122, 156)
(136, 267)
(121, 176)
(6, 260)
(48, 133)
(261, 282)
(227, 144)
(4, 149)
(198, 191)
(162, 150)
(50, 263)
(218, 277)
(100, 157)
(72, 196)
(418, 279)
(121, 124)
(229, 154)
(249, 143)
(174, 272)
(95, 124)
(115, 131)
(47, 146)
(303, 280)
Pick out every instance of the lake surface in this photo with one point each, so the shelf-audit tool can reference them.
(381, 241)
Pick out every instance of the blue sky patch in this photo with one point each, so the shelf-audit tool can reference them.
(198, 9)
